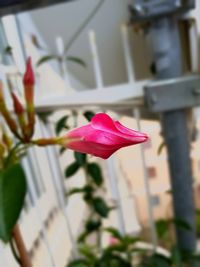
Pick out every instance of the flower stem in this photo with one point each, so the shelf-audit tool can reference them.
(11, 154)
(14, 252)
(23, 254)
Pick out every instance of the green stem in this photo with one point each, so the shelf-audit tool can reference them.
(11, 154)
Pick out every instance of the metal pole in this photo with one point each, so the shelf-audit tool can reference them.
(167, 56)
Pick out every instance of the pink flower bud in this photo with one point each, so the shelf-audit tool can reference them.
(29, 78)
(102, 137)
(28, 82)
(18, 108)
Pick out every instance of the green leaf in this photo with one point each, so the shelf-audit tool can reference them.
(82, 237)
(88, 115)
(88, 193)
(113, 261)
(61, 124)
(62, 150)
(46, 58)
(8, 50)
(176, 257)
(44, 115)
(88, 252)
(101, 207)
(92, 225)
(162, 227)
(75, 191)
(115, 248)
(80, 158)
(159, 260)
(78, 263)
(129, 240)
(156, 260)
(86, 189)
(181, 224)
(76, 60)
(114, 232)
(94, 171)
(160, 148)
(71, 169)
(12, 194)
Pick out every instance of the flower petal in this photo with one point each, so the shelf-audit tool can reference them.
(130, 132)
(102, 121)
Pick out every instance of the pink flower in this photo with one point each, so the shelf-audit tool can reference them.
(113, 241)
(102, 137)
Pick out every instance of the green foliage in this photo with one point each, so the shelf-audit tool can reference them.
(71, 169)
(94, 171)
(8, 50)
(162, 228)
(80, 158)
(176, 257)
(112, 261)
(78, 263)
(114, 232)
(181, 224)
(101, 207)
(89, 252)
(44, 116)
(160, 148)
(62, 150)
(61, 124)
(46, 59)
(92, 225)
(12, 194)
(198, 222)
(156, 260)
(88, 115)
(86, 189)
(76, 60)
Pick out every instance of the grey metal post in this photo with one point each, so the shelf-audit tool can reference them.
(167, 55)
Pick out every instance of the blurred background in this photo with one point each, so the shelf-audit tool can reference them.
(91, 56)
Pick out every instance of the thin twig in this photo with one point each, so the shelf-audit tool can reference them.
(14, 252)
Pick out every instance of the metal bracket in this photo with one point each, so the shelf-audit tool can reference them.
(173, 94)
(142, 10)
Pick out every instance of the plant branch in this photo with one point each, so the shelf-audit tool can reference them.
(24, 256)
(14, 252)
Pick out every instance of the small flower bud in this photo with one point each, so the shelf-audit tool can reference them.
(18, 108)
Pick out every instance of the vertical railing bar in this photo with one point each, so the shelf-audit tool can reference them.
(56, 172)
(127, 54)
(136, 114)
(27, 165)
(34, 161)
(113, 179)
(96, 60)
(62, 62)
